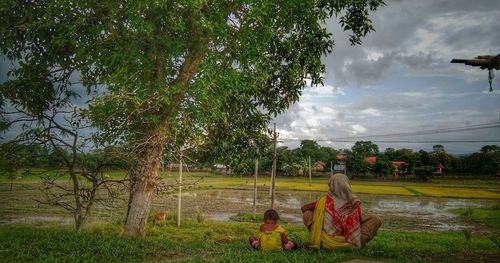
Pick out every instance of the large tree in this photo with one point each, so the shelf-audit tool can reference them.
(365, 148)
(167, 74)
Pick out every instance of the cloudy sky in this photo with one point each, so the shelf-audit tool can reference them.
(400, 80)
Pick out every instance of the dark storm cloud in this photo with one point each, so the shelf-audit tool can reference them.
(389, 102)
(460, 28)
(292, 113)
(486, 35)
(367, 71)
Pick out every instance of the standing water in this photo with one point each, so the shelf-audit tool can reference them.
(410, 213)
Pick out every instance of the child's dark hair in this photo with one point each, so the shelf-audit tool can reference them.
(271, 214)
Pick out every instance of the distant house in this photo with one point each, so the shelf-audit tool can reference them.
(438, 169)
(371, 159)
(399, 167)
(319, 166)
(341, 158)
(172, 167)
(220, 169)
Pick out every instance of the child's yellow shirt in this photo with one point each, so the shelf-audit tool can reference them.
(271, 240)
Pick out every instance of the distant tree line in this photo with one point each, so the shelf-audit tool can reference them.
(290, 162)
(14, 156)
(294, 162)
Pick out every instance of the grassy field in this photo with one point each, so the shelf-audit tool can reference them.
(202, 240)
(440, 187)
(227, 242)
(490, 216)
(449, 188)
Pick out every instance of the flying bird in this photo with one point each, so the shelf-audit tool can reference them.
(489, 62)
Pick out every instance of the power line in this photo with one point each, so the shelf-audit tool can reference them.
(429, 132)
(433, 141)
(382, 138)
(402, 141)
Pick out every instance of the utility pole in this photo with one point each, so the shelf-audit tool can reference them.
(256, 172)
(180, 192)
(273, 173)
(309, 170)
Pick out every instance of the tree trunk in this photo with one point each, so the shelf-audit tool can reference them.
(151, 151)
(146, 169)
(78, 201)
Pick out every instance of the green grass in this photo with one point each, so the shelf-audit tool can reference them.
(223, 242)
(201, 240)
(455, 192)
(259, 217)
(486, 215)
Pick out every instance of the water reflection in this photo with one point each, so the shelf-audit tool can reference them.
(37, 220)
(424, 212)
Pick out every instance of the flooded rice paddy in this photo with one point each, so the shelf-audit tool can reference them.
(398, 213)
(406, 213)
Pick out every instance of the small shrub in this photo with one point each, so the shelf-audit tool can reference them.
(468, 212)
(468, 242)
(241, 229)
(200, 218)
(292, 169)
(207, 235)
(423, 172)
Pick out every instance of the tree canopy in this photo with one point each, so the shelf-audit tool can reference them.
(365, 148)
(172, 74)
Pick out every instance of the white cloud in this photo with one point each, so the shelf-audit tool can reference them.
(313, 123)
(424, 40)
(374, 55)
(357, 128)
(285, 134)
(322, 91)
(371, 112)
(328, 110)
(413, 94)
(494, 92)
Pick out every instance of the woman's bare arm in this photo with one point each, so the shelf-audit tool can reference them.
(309, 206)
(284, 239)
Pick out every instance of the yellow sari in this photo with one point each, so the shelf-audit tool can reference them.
(319, 238)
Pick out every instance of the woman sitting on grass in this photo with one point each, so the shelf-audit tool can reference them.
(272, 236)
(335, 219)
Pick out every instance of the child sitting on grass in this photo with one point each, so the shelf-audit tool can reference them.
(272, 236)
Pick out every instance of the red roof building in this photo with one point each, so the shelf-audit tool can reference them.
(399, 168)
(398, 164)
(371, 159)
(341, 157)
(319, 166)
(438, 169)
